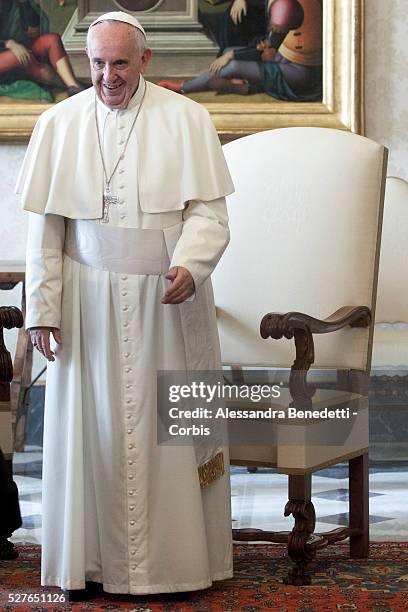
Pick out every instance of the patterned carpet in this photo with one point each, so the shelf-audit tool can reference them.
(258, 499)
(377, 584)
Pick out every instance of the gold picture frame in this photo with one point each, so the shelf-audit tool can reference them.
(342, 106)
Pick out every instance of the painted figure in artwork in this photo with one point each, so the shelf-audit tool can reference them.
(28, 51)
(285, 63)
(232, 23)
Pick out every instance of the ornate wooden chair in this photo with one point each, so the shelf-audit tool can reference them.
(9, 509)
(305, 237)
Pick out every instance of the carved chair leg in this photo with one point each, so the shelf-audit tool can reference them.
(358, 506)
(302, 509)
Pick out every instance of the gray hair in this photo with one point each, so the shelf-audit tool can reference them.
(140, 40)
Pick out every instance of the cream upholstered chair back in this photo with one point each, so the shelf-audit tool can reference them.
(390, 349)
(305, 224)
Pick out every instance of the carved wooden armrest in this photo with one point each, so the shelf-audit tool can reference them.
(10, 317)
(276, 325)
(302, 327)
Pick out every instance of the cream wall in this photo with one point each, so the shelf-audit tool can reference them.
(386, 84)
(13, 220)
(386, 79)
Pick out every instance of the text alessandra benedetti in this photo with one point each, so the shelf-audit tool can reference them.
(269, 413)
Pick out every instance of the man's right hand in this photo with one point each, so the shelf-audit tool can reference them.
(40, 338)
(219, 63)
(20, 51)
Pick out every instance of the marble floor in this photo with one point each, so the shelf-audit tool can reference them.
(258, 499)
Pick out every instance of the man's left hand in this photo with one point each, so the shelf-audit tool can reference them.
(268, 54)
(181, 288)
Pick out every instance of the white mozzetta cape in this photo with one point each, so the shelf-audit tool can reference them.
(180, 160)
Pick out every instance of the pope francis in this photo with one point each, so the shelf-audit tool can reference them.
(125, 184)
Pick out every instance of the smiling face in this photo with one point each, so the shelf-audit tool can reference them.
(116, 62)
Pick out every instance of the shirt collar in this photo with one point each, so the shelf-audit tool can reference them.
(134, 101)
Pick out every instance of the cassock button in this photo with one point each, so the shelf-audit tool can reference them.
(128, 386)
(126, 355)
(132, 538)
(134, 567)
(131, 492)
(128, 416)
(130, 462)
(131, 477)
(130, 431)
(127, 370)
(124, 277)
(124, 293)
(122, 216)
(131, 508)
(130, 446)
(133, 552)
(121, 142)
(126, 324)
(131, 523)
(125, 308)
(125, 339)
(121, 186)
(128, 401)
(121, 171)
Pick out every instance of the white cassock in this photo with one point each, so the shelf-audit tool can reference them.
(117, 508)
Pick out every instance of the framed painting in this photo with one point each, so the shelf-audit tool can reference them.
(254, 64)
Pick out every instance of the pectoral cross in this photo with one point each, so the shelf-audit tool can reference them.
(108, 200)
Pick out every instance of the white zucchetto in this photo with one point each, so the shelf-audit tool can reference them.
(120, 16)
